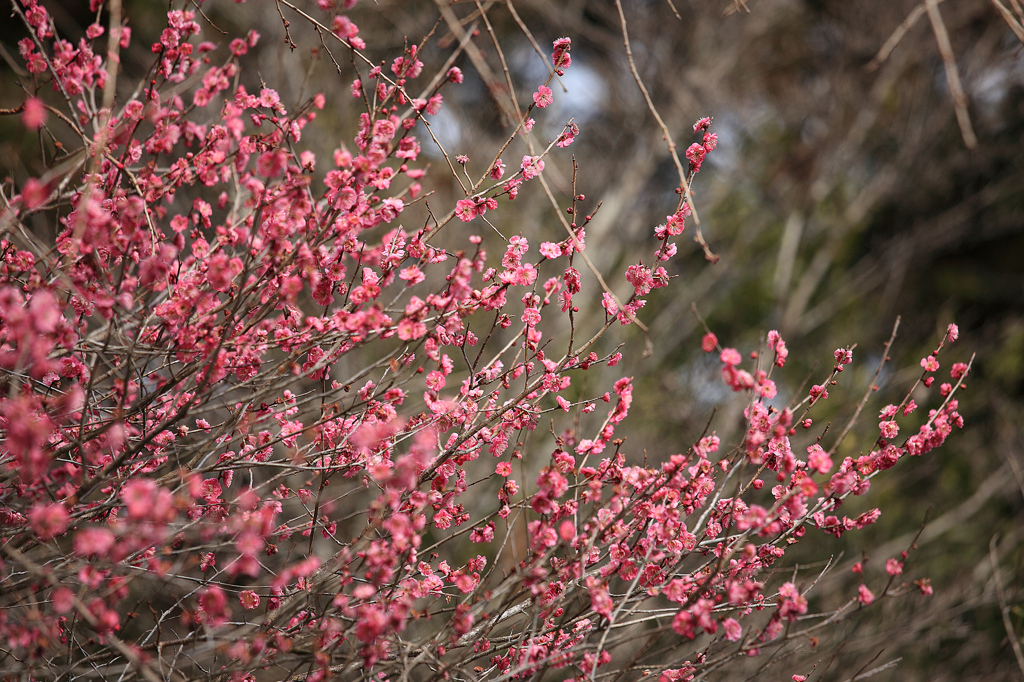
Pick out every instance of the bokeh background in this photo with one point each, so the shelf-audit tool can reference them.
(843, 194)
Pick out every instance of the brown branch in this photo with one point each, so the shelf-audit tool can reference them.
(897, 36)
(870, 390)
(1004, 609)
(956, 88)
(1013, 22)
(699, 237)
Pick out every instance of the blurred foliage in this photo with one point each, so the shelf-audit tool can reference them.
(841, 195)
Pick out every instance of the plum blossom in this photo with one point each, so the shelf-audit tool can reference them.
(532, 166)
(248, 599)
(560, 56)
(91, 541)
(543, 97)
(220, 433)
(568, 135)
(776, 344)
(34, 114)
(49, 520)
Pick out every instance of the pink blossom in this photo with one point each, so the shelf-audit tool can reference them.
(791, 603)
(572, 280)
(731, 357)
(407, 67)
(776, 344)
(568, 136)
(211, 490)
(462, 621)
(435, 381)
(818, 392)
(550, 250)
(702, 124)
(733, 630)
(93, 541)
(608, 301)
(213, 606)
(676, 223)
(818, 459)
(63, 600)
(560, 56)
(34, 114)
(34, 193)
(138, 496)
(248, 599)
(412, 275)
(684, 674)
(641, 279)
(483, 534)
(465, 210)
(683, 624)
(695, 154)
(600, 601)
(532, 166)
(48, 520)
(543, 97)
(864, 595)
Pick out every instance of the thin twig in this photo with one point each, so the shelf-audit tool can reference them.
(487, 75)
(113, 59)
(1004, 609)
(536, 48)
(870, 389)
(699, 237)
(1013, 22)
(1017, 474)
(956, 89)
(897, 36)
(648, 345)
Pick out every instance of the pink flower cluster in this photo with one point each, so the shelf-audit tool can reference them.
(239, 391)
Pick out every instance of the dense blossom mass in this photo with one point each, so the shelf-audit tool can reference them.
(244, 404)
